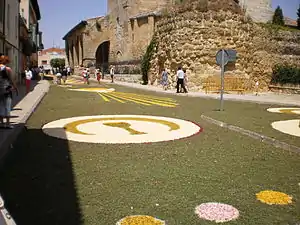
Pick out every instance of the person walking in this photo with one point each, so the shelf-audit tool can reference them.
(256, 87)
(164, 79)
(58, 77)
(112, 73)
(7, 85)
(185, 82)
(85, 75)
(180, 80)
(28, 77)
(69, 71)
(98, 75)
(64, 75)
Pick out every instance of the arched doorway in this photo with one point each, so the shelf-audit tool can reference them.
(102, 56)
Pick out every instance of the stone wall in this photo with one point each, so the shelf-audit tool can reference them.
(130, 25)
(129, 37)
(95, 33)
(129, 78)
(192, 38)
(259, 10)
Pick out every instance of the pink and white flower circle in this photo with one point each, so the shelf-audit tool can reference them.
(217, 212)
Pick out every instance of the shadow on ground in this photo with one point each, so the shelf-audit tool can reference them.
(22, 92)
(37, 182)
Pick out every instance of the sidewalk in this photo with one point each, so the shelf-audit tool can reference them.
(23, 106)
(262, 98)
(22, 92)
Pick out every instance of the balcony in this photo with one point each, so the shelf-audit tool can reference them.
(27, 46)
(41, 47)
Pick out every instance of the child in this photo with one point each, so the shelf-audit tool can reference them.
(165, 80)
(98, 74)
(85, 76)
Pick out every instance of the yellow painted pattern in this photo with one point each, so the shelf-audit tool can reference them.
(139, 99)
(74, 81)
(72, 127)
(125, 126)
(49, 75)
(126, 99)
(290, 111)
(104, 98)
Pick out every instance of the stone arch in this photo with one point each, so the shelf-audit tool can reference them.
(102, 55)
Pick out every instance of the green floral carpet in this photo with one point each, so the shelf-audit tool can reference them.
(50, 180)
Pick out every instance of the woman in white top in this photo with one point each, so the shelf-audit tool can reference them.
(28, 77)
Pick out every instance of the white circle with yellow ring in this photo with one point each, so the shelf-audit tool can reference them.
(285, 110)
(97, 90)
(121, 129)
(291, 127)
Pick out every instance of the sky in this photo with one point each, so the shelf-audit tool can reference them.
(59, 16)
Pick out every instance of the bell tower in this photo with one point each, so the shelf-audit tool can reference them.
(259, 10)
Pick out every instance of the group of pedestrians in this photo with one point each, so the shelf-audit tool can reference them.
(86, 74)
(181, 80)
(62, 75)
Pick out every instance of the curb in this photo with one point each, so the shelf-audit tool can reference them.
(254, 135)
(12, 135)
(142, 87)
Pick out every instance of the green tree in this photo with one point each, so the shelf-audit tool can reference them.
(57, 62)
(278, 17)
(145, 65)
(298, 19)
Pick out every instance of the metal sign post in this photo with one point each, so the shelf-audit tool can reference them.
(222, 80)
(222, 59)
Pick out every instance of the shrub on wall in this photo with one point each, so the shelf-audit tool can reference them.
(145, 65)
(286, 74)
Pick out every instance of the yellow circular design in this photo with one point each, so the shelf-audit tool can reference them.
(140, 220)
(285, 110)
(121, 129)
(274, 197)
(96, 90)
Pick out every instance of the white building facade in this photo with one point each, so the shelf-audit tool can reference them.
(47, 55)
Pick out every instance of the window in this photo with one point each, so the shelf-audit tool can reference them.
(1, 46)
(8, 20)
(44, 62)
(1, 11)
(16, 27)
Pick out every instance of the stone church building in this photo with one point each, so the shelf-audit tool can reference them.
(122, 36)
